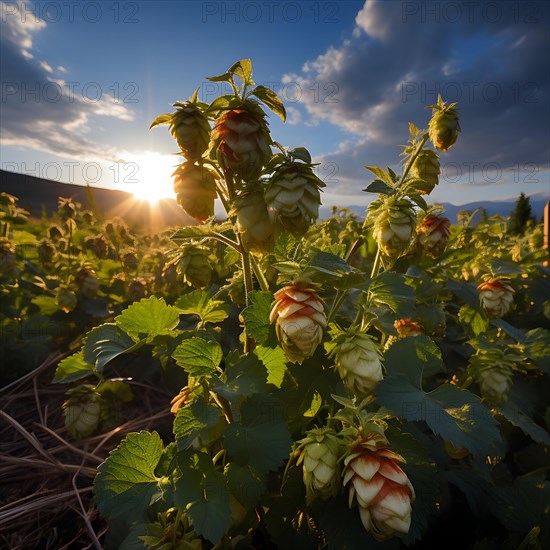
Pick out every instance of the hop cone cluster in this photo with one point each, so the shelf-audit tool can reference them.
(444, 125)
(433, 234)
(299, 320)
(195, 188)
(320, 451)
(496, 297)
(358, 360)
(382, 489)
(240, 140)
(293, 197)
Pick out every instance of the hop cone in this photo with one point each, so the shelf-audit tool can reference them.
(195, 187)
(299, 320)
(190, 128)
(359, 363)
(240, 140)
(137, 289)
(320, 451)
(496, 297)
(195, 264)
(394, 222)
(82, 410)
(495, 383)
(253, 224)
(293, 198)
(66, 299)
(382, 490)
(87, 282)
(433, 234)
(493, 369)
(426, 167)
(444, 125)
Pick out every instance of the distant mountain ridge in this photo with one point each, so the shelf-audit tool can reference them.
(37, 193)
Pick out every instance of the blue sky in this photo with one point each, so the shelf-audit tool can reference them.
(81, 82)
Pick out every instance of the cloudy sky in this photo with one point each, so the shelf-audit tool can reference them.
(81, 82)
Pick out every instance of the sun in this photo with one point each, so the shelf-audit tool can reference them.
(148, 175)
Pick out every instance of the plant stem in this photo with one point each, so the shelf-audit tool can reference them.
(376, 265)
(227, 241)
(413, 157)
(338, 301)
(264, 285)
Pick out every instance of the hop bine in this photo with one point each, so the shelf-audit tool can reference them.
(299, 319)
(241, 142)
(444, 125)
(320, 451)
(496, 297)
(358, 360)
(433, 234)
(293, 197)
(195, 188)
(382, 489)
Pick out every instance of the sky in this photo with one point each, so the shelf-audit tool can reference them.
(82, 81)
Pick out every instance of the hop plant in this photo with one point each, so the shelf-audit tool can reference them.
(8, 260)
(358, 360)
(253, 224)
(383, 491)
(293, 197)
(195, 188)
(444, 125)
(496, 297)
(46, 252)
(320, 452)
(299, 319)
(137, 289)
(240, 141)
(394, 221)
(433, 234)
(495, 383)
(87, 282)
(426, 167)
(195, 264)
(66, 299)
(82, 410)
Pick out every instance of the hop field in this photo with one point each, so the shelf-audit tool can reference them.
(274, 381)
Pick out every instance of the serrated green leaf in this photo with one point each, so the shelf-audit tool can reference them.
(126, 481)
(47, 304)
(106, 342)
(200, 303)
(246, 484)
(537, 348)
(518, 418)
(199, 231)
(379, 186)
(381, 174)
(474, 318)
(301, 153)
(243, 377)
(465, 291)
(197, 356)
(261, 438)
(389, 288)
(161, 119)
(275, 362)
(454, 413)
(256, 316)
(148, 317)
(271, 100)
(316, 402)
(243, 69)
(72, 368)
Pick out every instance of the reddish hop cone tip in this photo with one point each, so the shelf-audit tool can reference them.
(380, 487)
(433, 234)
(299, 319)
(407, 327)
(496, 296)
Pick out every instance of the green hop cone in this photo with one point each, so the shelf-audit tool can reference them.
(195, 187)
(320, 451)
(444, 125)
(195, 264)
(253, 223)
(241, 142)
(496, 297)
(358, 360)
(66, 299)
(82, 410)
(293, 197)
(433, 234)
(87, 282)
(494, 383)
(426, 167)
(394, 221)
(381, 488)
(299, 317)
(190, 128)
